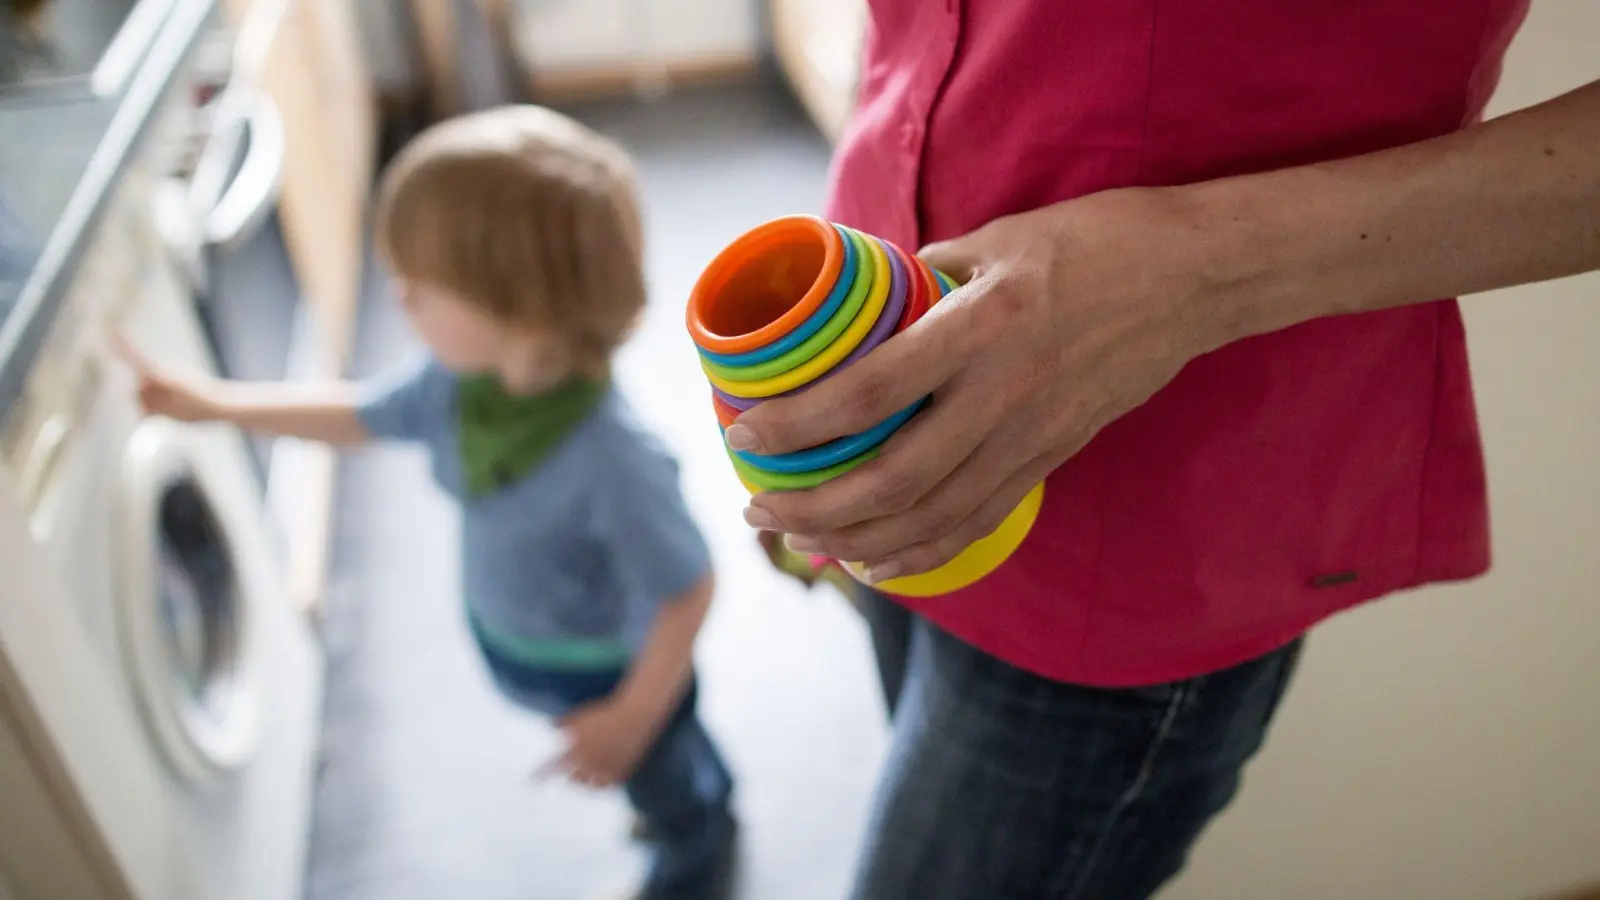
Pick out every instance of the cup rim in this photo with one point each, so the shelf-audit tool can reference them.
(832, 355)
(746, 248)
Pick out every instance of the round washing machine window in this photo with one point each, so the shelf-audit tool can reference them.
(183, 611)
(197, 603)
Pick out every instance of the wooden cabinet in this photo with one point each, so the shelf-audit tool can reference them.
(306, 56)
(312, 70)
(818, 46)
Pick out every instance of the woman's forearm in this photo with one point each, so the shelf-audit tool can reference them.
(1512, 201)
(660, 674)
(316, 412)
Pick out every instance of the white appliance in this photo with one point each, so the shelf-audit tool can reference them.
(186, 746)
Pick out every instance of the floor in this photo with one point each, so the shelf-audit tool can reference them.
(425, 790)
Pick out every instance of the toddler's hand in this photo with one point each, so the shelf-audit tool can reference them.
(165, 394)
(606, 741)
(785, 560)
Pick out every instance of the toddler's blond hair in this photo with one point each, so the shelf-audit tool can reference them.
(528, 216)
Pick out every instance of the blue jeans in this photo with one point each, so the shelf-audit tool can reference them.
(682, 788)
(1004, 784)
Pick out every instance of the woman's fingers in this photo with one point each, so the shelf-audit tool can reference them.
(945, 510)
(902, 370)
(919, 457)
(984, 520)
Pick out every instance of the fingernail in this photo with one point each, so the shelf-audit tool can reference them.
(756, 517)
(884, 571)
(741, 438)
(800, 543)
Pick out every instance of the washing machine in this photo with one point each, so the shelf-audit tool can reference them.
(158, 536)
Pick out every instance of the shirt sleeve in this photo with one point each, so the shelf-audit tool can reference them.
(409, 403)
(640, 514)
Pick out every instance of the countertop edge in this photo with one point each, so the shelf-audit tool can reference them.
(24, 330)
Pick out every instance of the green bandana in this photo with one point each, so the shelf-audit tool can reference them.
(503, 435)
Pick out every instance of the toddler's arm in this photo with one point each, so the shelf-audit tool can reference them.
(607, 739)
(316, 412)
(660, 673)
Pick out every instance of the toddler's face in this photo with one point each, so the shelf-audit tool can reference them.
(466, 339)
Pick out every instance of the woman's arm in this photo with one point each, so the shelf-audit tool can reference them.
(1513, 201)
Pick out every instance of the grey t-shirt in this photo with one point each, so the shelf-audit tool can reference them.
(568, 566)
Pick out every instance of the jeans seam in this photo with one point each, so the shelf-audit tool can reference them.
(1135, 791)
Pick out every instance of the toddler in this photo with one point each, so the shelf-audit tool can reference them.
(515, 238)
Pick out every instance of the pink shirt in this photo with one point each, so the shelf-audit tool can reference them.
(1281, 479)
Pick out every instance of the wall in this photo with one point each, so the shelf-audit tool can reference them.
(1444, 745)
(603, 33)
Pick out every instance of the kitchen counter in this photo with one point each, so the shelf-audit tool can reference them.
(63, 151)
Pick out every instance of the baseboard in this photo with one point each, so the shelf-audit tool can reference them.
(1592, 892)
(558, 85)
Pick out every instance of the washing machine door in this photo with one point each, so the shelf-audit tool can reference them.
(183, 610)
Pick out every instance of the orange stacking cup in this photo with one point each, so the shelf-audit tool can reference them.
(759, 294)
(763, 285)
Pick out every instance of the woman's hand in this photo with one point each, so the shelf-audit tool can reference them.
(1076, 313)
(1071, 316)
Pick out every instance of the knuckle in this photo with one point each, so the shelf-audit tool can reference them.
(865, 400)
(842, 548)
(771, 431)
(797, 516)
(1007, 300)
(933, 523)
(983, 527)
(894, 491)
(980, 524)
(927, 557)
(988, 321)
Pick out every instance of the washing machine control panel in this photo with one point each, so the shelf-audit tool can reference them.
(70, 368)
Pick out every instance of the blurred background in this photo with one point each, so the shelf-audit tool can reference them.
(199, 172)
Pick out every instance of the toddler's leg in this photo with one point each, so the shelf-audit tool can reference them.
(683, 789)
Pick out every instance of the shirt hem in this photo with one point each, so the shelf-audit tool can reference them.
(552, 654)
(1173, 668)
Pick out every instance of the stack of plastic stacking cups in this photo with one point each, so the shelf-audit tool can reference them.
(789, 304)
